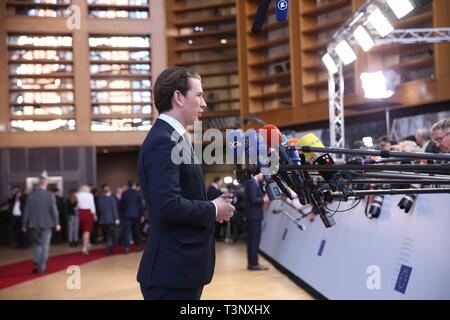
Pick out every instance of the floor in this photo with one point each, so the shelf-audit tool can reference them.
(114, 277)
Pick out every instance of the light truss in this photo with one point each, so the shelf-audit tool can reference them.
(336, 81)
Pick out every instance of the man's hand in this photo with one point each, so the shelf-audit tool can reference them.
(225, 209)
(57, 228)
(266, 201)
(24, 229)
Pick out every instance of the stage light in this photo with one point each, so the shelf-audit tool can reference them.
(364, 39)
(329, 63)
(379, 21)
(400, 7)
(345, 52)
(378, 85)
(228, 180)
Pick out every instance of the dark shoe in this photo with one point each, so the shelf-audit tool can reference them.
(127, 250)
(257, 267)
(109, 250)
(138, 249)
(35, 268)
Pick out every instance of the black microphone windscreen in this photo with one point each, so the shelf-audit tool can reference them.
(261, 13)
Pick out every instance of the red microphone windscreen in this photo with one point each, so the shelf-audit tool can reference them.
(271, 134)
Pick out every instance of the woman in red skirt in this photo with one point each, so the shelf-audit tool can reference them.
(87, 214)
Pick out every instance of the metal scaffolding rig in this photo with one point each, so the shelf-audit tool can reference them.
(336, 81)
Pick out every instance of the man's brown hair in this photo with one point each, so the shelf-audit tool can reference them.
(170, 80)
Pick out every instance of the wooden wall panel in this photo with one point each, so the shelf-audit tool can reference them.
(155, 27)
(308, 109)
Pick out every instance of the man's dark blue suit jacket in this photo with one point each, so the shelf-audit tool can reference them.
(180, 251)
(131, 204)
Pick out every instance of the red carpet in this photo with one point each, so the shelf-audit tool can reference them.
(19, 272)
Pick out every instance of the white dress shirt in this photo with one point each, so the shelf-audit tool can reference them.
(174, 123)
(85, 200)
(16, 208)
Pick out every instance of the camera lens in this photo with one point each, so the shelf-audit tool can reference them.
(407, 202)
(375, 207)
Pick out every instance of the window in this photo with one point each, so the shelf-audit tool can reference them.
(120, 69)
(41, 82)
(110, 9)
(38, 8)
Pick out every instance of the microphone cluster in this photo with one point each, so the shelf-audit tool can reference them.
(305, 169)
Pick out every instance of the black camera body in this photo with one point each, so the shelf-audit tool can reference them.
(273, 191)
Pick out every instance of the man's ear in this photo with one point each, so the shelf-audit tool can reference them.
(178, 98)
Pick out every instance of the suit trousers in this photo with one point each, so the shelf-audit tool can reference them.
(108, 229)
(253, 240)
(40, 239)
(154, 293)
(74, 227)
(132, 226)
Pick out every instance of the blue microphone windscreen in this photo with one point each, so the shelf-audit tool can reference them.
(236, 142)
(252, 141)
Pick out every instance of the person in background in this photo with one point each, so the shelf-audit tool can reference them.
(94, 234)
(406, 146)
(385, 143)
(5, 221)
(238, 225)
(423, 139)
(87, 215)
(144, 219)
(60, 237)
(17, 208)
(119, 229)
(72, 218)
(41, 215)
(213, 193)
(254, 202)
(133, 216)
(440, 133)
(110, 216)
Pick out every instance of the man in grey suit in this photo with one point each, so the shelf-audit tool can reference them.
(41, 215)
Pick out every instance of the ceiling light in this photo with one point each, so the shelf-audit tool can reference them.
(330, 64)
(379, 21)
(378, 85)
(400, 7)
(345, 52)
(364, 39)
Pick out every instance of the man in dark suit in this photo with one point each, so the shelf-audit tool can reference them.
(107, 204)
(60, 237)
(133, 214)
(214, 189)
(41, 215)
(254, 201)
(212, 193)
(180, 254)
